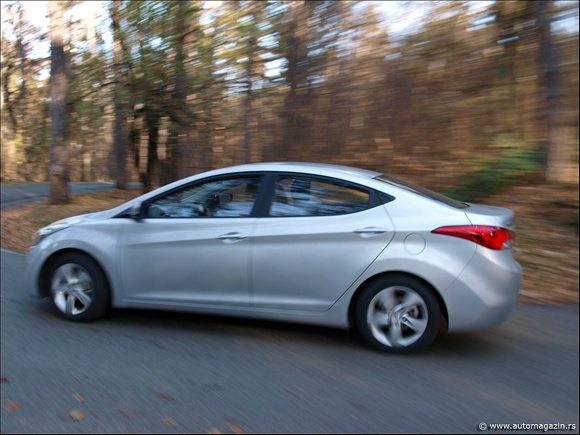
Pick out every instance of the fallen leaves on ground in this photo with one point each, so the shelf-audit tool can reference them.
(11, 406)
(127, 413)
(20, 223)
(165, 397)
(77, 415)
(546, 218)
(169, 422)
(234, 428)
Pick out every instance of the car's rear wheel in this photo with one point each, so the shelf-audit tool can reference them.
(78, 288)
(398, 314)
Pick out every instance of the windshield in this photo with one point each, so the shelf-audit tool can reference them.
(420, 191)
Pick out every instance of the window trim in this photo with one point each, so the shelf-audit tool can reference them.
(375, 199)
(421, 191)
(262, 177)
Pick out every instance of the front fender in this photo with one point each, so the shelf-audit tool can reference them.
(97, 240)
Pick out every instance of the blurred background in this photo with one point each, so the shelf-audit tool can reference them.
(462, 97)
(474, 99)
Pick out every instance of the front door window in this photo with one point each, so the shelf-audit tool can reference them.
(231, 197)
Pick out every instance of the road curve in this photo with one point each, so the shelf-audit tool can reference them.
(12, 194)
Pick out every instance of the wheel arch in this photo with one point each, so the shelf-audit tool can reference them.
(359, 291)
(43, 282)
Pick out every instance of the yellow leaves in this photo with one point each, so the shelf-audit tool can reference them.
(11, 406)
(127, 413)
(234, 428)
(169, 422)
(165, 397)
(77, 415)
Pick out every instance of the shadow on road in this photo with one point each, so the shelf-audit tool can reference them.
(466, 345)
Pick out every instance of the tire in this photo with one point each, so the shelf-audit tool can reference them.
(398, 314)
(78, 288)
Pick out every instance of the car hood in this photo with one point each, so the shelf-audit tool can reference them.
(81, 218)
(95, 215)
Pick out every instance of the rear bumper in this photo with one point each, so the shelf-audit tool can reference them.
(485, 292)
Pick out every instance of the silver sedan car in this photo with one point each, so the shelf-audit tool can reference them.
(295, 242)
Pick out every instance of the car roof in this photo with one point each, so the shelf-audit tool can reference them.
(323, 169)
(306, 167)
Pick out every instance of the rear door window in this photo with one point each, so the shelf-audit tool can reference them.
(307, 196)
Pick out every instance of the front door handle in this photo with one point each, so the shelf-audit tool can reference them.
(370, 231)
(232, 237)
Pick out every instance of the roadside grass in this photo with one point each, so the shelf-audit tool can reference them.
(546, 218)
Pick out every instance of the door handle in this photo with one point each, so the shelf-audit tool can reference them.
(370, 231)
(233, 237)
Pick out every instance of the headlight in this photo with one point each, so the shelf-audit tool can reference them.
(47, 231)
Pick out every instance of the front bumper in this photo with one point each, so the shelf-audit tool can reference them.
(32, 272)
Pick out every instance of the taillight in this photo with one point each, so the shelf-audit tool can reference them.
(490, 237)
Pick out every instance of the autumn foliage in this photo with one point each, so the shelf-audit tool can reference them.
(160, 90)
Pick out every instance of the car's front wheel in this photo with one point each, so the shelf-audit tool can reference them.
(398, 313)
(78, 288)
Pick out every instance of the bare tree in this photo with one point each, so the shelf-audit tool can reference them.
(554, 152)
(120, 133)
(59, 89)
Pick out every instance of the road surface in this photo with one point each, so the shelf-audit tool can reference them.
(19, 193)
(155, 372)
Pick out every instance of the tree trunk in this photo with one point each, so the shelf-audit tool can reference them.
(251, 54)
(297, 74)
(152, 122)
(58, 174)
(554, 150)
(120, 134)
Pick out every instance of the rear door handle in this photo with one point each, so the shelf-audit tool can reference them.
(232, 237)
(370, 231)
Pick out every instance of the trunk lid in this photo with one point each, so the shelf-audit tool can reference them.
(489, 215)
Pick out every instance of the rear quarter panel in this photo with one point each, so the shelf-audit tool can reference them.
(435, 258)
(414, 249)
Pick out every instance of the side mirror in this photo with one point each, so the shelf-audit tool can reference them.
(137, 211)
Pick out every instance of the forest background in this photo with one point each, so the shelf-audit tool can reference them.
(462, 97)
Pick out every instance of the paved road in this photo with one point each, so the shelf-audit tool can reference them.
(15, 194)
(145, 371)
